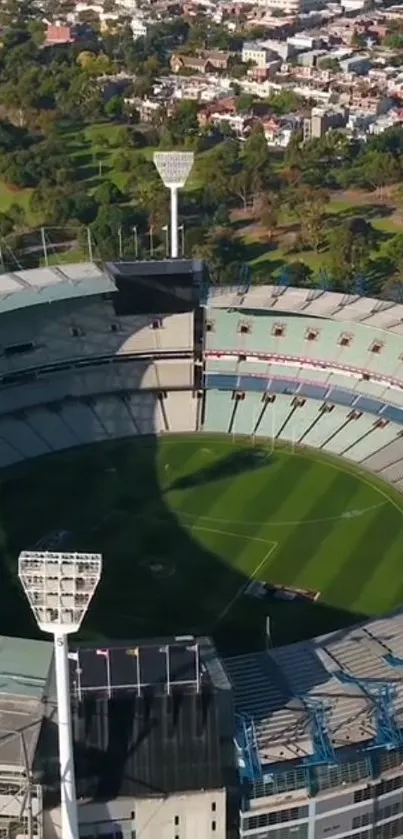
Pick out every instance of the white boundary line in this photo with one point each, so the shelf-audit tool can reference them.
(348, 514)
(243, 586)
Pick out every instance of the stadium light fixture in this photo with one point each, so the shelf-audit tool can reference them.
(59, 588)
(174, 168)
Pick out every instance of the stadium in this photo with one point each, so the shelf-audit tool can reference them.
(236, 456)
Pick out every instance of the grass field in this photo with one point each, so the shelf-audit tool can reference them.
(185, 523)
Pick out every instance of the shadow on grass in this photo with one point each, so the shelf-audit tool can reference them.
(230, 466)
(157, 578)
(255, 250)
(367, 211)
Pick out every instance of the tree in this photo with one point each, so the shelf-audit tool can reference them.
(52, 205)
(114, 107)
(244, 103)
(255, 150)
(108, 193)
(330, 64)
(349, 250)
(184, 123)
(241, 185)
(284, 102)
(18, 216)
(394, 248)
(299, 274)
(266, 211)
(224, 252)
(6, 225)
(310, 208)
(84, 208)
(394, 41)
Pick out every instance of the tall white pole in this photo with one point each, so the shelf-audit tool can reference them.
(174, 222)
(66, 761)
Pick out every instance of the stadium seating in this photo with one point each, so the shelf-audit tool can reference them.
(180, 410)
(338, 430)
(84, 329)
(327, 341)
(385, 456)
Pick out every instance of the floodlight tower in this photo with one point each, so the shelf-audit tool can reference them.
(59, 588)
(174, 168)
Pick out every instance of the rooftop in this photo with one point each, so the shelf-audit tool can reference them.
(344, 672)
(381, 314)
(43, 285)
(24, 674)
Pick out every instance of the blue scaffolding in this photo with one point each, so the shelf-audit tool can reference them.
(393, 660)
(323, 751)
(382, 694)
(246, 742)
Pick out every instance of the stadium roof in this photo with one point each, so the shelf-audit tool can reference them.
(277, 688)
(19, 289)
(44, 285)
(24, 674)
(382, 314)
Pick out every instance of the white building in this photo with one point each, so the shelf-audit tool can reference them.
(256, 52)
(138, 27)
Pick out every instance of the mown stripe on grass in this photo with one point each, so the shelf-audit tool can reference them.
(231, 539)
(303, 541)
(207, 499)
(333, 560)
(383, 527)
(382, 562)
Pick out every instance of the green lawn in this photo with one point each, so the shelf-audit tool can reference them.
(184, 523)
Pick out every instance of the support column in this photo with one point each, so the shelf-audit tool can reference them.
(174, 222)
(66, 760)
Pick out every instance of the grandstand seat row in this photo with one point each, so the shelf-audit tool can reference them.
(374, 442)
(307, 339)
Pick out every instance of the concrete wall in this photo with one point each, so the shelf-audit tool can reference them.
(195, 815)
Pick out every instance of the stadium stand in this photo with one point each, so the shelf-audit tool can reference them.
(318, 725)
(25, 670)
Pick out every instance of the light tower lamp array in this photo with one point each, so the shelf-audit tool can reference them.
(59, 588)
(174, 168)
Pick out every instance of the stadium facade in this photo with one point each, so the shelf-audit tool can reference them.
(300, 742)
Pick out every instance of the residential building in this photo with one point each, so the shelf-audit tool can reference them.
(256, 52)
(356, 64)
(283, 49)
(57, 34)
(189, 62)
(321, 120)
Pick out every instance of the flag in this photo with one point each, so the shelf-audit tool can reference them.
(73, 656)
(105, 653)
(133, 651)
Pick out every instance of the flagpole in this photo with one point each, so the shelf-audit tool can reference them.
(138, 673)
(168, 670)
(78, 672)
(197, 651)
(108, 675)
